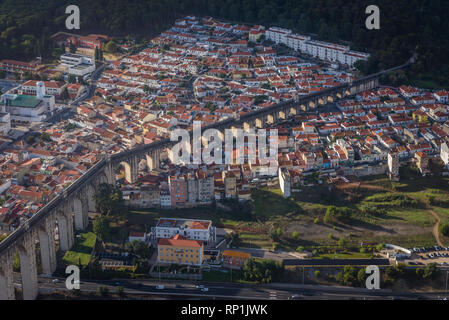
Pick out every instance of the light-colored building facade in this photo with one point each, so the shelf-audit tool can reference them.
(180, 250)
(191, 229)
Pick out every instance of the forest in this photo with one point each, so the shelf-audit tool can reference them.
(406, 26)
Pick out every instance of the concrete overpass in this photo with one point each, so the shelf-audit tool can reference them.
(69, 210)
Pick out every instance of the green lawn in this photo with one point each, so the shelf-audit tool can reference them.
(82, 250)
(349, 255)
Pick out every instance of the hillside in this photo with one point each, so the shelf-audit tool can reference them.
(406, 26)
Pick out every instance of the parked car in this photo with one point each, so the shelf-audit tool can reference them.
(160, 287)
(204, 289)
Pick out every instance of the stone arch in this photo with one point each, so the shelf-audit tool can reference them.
(65, 234)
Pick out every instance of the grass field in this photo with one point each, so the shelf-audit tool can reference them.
(81, 251)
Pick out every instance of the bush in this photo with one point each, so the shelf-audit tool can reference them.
(300, 249)
(317, 273)
(295, 235)
(444, 229)
(262, 271)
(102, 291)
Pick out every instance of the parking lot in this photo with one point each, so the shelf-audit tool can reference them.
(423, 256)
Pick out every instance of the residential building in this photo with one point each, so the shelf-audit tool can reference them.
(180, 250)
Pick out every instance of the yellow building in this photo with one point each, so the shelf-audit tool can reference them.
(420, 116)
(180, 250)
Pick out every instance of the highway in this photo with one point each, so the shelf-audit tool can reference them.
(181, 289)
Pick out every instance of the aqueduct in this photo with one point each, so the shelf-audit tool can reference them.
(69, 210)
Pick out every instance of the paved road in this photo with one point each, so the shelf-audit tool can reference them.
(183, 289)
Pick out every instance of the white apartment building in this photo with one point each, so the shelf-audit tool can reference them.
(191, 229)
(285, 182)
(278, 35)
(5, 123)
(77, 64)
(73, 59)
(319, 49)
(297, 42)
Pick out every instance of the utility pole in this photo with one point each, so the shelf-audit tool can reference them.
(447, 274)
(303, 274)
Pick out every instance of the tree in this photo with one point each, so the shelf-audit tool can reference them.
(102, 228)
(263, 271)
(361, 276)
(111, 47)
(138, 248)
(392, 274)
(72, 47)
(71, 78)
(102, 291)
(30, 140)
(44, 137)
(342, 242)
(109, 201)
(295, 235)
(444, 229)
(120, 292)
(430, 271)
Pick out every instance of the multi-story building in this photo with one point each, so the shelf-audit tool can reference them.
(192, 189)
(178, 190)
(322, 50)
(18, 66)
(393, 166)
(191, 229)
(205, 187)
(23, 108)
(52, 88)
(285, 182)
(180, 250)
(77, 64)
(230, 184)
(278, 35)
(5, 123)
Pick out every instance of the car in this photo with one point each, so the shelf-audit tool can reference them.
(295, 297)
(199, 286)
(431, 255)
(445, 263)
(55, 280)
(411, 263)
(117, 284)
(204, 289)
(160, 287)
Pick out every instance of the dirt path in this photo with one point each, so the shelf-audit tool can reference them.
(436, 227)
